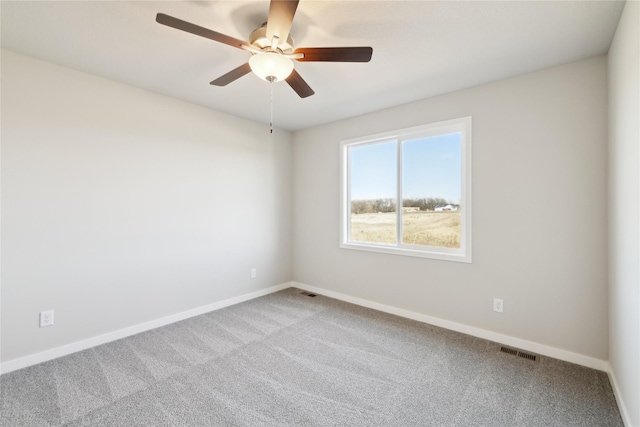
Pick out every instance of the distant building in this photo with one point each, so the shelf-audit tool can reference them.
(411, 209)
(446, 208)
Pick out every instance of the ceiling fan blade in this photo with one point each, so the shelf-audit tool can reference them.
(298, 84)
(335, 54)
(232, 75)
(179, 24)
(281, 14)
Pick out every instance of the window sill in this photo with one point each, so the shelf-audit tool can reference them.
(456, 256)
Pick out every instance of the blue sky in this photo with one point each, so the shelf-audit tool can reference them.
(431, 168)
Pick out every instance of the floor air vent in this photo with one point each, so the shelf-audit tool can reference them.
(518, 353)
(308, 294)
(509, 351)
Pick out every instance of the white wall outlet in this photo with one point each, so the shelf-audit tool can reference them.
(497, 305)
(254, 273)
(46, 318)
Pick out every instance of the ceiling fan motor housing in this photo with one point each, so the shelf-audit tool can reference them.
(258, 39)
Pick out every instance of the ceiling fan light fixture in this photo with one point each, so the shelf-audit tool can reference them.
(271, 66)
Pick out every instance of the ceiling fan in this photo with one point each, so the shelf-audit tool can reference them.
(272, 48)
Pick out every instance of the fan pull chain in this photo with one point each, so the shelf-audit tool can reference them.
(271, 119)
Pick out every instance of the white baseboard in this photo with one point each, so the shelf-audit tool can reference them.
(54, 353)
(616, 392)
(541, 349)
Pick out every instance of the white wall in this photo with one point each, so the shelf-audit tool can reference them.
(539, 212)
(624, 224)
(120, 206)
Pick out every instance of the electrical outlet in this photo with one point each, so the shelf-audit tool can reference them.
(498, 305)
(254, 273)
(46, 318)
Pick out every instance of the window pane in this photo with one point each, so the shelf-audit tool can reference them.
(373, 188)
(408, 191)
(431, 191)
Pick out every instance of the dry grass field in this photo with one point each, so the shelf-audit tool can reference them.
(440, 229)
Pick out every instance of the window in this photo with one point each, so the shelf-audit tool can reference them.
(408, 192)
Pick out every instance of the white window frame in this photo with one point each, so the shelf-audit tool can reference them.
(462, 254)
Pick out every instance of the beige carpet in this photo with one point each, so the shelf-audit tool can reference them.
(291, 360)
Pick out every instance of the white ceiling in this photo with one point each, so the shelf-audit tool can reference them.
(420, 48)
